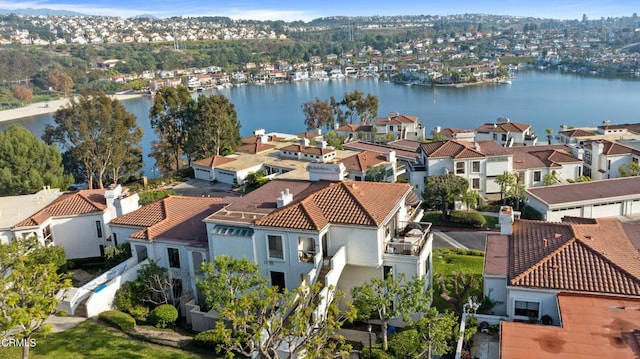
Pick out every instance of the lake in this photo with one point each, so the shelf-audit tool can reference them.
(541, 99)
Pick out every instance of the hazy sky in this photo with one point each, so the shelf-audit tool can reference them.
(308, 9)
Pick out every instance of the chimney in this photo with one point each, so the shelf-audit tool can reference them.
(336, 126)
(285, 198)
(258, 132)
(318, 131)
(263, 138)
(326, 171)
(506, 220)
(322, 144)
(545, 242)
(391, 156)
(437, 129)
(304, 142)
(563, 127)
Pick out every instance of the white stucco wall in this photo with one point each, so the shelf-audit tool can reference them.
(548, 302)
(122, 233)
(363, 243)
(78, 235)
(496, 289)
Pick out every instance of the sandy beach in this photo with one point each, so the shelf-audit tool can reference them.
(42, 108)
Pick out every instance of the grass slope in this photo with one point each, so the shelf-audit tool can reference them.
(91, 339)
(449, 260)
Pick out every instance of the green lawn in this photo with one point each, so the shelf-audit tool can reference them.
(436, 219)
(447, 261)
(91, 339)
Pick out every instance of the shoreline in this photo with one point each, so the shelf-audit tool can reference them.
(43, 108)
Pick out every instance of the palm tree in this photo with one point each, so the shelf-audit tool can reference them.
(549, 132)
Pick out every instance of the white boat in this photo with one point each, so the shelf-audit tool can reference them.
(505, 82)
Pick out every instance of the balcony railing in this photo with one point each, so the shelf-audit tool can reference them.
(410, 239)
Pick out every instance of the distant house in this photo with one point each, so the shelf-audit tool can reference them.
(319, 153)
(401, 127)
(530, 263)
(205, 169)
(77, 220)
(360, 165)
(507, 133)
(603, 158)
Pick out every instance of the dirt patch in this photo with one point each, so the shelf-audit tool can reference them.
(81, 277)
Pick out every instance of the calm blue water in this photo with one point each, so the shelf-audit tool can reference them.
(542, 99)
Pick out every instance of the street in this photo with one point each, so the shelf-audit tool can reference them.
(459, 239)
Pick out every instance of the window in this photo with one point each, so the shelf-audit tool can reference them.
(277, 280)
(387, 272)
(99, 228)
(537, 176)
(475, 166)
(174, 257)
(475, 183)
(115, 239)
(504, 137)
(275, 247)
(460, 168)
(306, 249)
(526, 309)
(495, 137)
(46, 235)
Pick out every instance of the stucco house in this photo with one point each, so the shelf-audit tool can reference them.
(77, 220)
(171, 233)
(507, 133)
(530, 263)
(595, 199)
(404, 127)
(367, 165)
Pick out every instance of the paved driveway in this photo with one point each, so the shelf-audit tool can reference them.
(459, 239)
(200, 188)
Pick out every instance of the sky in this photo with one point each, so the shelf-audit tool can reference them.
(306, 10)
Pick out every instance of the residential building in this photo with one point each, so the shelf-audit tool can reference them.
(530, 262)
(372, 166)
(594, 199)
(400, 127)
(171, 233)
(77, 220)
(507, 133)
(603, 159)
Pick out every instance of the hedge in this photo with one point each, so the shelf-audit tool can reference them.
(472, 218)
(119, 319)
(164, 314)
(208, 340)
(404, 343)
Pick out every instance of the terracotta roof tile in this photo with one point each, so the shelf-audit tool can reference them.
(354, 128)
(396, 120)
(69, 204)
(212, 162)
(593, 327)
(357, 203)
(308, 149)
(583, 191)
(577, 257)
(363, 146)
(578, 132)
(255, 147)
(174, 217)
(503, 127)
(450, 148)
(496, 260)
(360, 162)
(406, 145)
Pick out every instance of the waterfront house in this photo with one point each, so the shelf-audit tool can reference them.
(400, 127)
(373, 166)
(604, 159)
(76, 220)
(507, 133)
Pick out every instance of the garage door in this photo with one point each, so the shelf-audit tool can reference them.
(607, 210)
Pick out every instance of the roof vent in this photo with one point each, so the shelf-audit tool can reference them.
(285, 198)
(545, 242)
(588, 237)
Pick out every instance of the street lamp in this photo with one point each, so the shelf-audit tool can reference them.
(369, 330)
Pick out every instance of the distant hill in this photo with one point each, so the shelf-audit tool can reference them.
(39, 12)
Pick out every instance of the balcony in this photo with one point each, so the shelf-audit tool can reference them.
(410, 239)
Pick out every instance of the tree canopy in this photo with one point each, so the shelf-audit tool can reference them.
(212, 127)
(100, 137)
(31, 282)
(389, 298)
(260, 319)
(27, 164)
(317, 114)
(441, 190)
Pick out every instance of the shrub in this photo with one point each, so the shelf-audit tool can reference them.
(471, 218)
(208, 340)
(164, 314)
(62, 313)
(128, 299)
(152, 196)
(119, 319)
(378, 354)
(404, 344)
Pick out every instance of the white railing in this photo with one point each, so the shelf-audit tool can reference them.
(85, 291)
(338, 262)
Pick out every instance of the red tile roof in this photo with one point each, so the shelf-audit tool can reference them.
(585, 191)
(212, 162)
(174, 218)
(596, 258)
(357, 145)
(308, 149)
(503, 127)
(452, 132)
(451, 148)
(525, 159)
(69, 204)
(354, 128)
(255, 147)
(355, 203)
(309, 135)
(407, 145)
(362, 161)
(612, 148)
(254, 139)
(396, 120)
(593, 327)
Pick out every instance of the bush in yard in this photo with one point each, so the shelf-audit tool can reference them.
(128, 299)
(119, 319)
(207, 339)
(405, 343)
(472, 218)
(164, 314)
